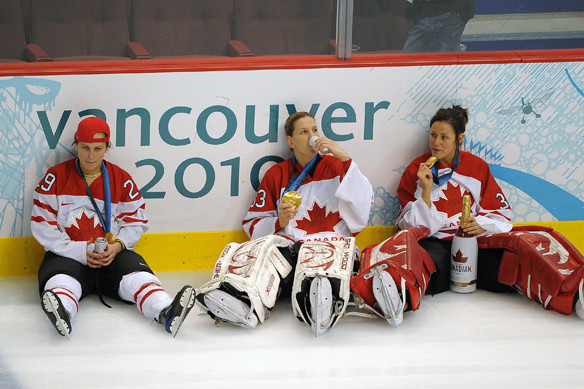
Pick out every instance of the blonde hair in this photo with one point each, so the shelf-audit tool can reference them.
(289, 125)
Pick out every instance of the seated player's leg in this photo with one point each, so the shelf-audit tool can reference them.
(146, 291)
(393, 272)
(174, 315)
(439, 251)
(542, 264)
(55, 311)
(321, 304)
(387, 296)
(488, 265)
(129, 278)
(61, 284)
(579, 304)
(321, 288)
(62, 292)
(246, 281)
(225, 306)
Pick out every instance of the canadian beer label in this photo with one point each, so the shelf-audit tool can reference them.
(463, 265)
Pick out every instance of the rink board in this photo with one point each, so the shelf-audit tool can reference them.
(198, 135)
(191, 251)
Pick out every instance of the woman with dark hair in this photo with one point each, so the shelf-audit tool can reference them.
(416, 261)
(431, 196)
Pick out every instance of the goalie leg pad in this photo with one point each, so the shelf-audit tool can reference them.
(331, 260)
(321, 304)
(542, 263)
(250, 272)
(387, 297)
(404, 260)
(579, 306)
(231, 309)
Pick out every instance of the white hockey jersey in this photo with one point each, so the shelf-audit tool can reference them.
(490, 207)
(63, 218)
(336, 201)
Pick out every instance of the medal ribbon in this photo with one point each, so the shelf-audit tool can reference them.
(104, 219)
(294, 181)
(439, 180)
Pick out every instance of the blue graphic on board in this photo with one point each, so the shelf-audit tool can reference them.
(574, 83)
(527, 107)
(384, 209)
(561, 204)
(21, 146)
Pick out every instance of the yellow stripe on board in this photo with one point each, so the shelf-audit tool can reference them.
(199, 250)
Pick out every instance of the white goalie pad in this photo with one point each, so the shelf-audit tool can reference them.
(254, 268)
(322, 277)
(321, 304)
(229, 308)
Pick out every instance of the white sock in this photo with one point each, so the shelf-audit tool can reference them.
(69, 291)
(146, 291)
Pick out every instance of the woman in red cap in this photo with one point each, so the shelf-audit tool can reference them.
(76, 205)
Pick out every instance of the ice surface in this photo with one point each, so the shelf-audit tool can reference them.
(454, 340)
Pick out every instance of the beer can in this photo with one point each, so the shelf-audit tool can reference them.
(100, 245)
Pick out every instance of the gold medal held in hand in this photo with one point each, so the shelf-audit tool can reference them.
(111, 238)
(292, 197)
(431, 161)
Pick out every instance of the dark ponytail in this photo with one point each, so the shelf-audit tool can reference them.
(456, 116)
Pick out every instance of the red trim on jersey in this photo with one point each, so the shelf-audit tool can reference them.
(321, 211)
(47, 207)
(133, 220)
(62, 202)
(474, 174)
(124, 215)
(40, 219)
(256, 221)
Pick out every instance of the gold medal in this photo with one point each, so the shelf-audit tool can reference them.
(292, 197)
(111, 238)
(431, 161)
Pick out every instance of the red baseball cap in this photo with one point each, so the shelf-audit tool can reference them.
(89, 127)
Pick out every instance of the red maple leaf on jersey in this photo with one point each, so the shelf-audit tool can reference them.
(85, 230)
(452, 204)
(318, 220)
(458, 257)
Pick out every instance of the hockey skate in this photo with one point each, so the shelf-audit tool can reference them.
(321, 304)
(57, 314)
(173, 316)
(230, 309)
(388, 298)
